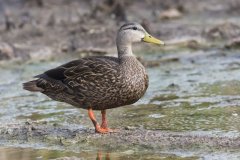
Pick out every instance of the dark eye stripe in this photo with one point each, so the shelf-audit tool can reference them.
(131, 27)
(127, 24)
(134, 28)
(128, 28)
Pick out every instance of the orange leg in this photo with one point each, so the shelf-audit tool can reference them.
(104, 122)
(98, 129)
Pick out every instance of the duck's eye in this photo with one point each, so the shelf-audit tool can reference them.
(134, 28)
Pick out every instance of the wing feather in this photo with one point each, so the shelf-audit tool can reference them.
(83, 79)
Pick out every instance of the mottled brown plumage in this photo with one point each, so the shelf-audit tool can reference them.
(100, 82)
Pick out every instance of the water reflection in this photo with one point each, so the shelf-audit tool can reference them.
(44, 154)
(99, 156)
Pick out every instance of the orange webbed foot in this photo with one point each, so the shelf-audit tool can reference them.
(101, 130)
(110, 130)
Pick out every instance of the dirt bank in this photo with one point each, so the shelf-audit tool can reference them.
(124, 139)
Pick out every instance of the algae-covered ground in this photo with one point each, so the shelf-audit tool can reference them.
(191, 109)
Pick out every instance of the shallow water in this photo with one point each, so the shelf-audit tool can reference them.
(199, 94)
(41, 154)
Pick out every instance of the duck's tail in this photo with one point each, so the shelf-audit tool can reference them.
(32, 86)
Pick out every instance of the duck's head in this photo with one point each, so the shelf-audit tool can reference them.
(134, 32)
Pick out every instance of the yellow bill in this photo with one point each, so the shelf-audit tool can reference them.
(150, 39)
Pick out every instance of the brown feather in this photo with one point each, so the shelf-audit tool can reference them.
(99, 82)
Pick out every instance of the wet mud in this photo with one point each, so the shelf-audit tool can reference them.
(124, 139)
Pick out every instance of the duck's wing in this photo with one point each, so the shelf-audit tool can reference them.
(83, 76)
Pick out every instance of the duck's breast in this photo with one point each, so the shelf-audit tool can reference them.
(135, 80)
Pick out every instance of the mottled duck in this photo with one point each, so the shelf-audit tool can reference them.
(99, 82)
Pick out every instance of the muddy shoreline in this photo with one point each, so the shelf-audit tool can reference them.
(29, 133)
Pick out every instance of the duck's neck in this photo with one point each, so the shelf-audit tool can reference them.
(124, 50)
